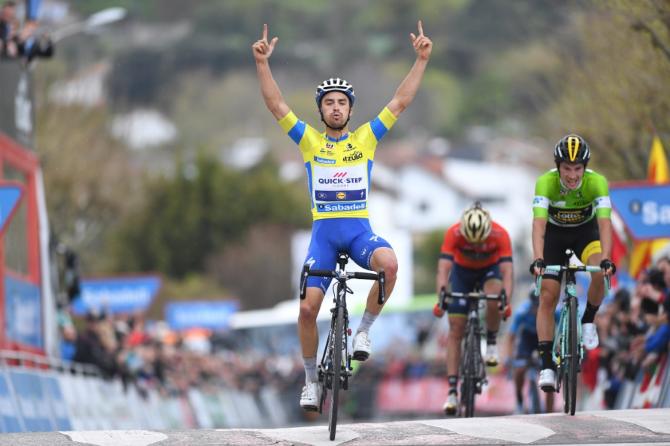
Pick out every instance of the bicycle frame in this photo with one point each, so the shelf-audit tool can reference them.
(567, 350)
(471, 367)
(335, 365)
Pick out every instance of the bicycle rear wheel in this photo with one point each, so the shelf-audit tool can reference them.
(573, 364)
(338, 339)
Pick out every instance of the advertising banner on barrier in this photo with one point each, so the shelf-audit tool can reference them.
(214, 315)
(426, 395)
(9, 418)
(644, 208)
(23, 312)
(59, 410)
(32, 401)
(648, 385)
(116, 294)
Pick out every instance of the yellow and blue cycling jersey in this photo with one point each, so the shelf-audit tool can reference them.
(338, 170)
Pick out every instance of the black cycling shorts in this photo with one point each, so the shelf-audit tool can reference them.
(583, 240)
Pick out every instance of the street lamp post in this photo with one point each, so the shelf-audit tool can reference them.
(94, 21)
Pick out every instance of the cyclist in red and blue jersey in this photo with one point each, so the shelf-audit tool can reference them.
(477, 251)
(339, 164)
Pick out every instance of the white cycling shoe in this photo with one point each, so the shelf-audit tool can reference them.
(362, 347)
(590, 336)
(547, 380)
(310, 398)
(491, 355)
(451, 404)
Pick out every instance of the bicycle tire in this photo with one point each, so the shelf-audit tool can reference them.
(469, 373)
(573, 350)
(338, 339)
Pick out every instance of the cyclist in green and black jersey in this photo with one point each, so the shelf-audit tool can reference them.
(571, 210)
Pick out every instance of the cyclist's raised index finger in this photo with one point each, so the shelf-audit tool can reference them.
(420, 24)
(265, 31)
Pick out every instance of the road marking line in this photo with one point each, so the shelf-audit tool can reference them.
(494, 428)
(317, 436)
(116, 438)
(656, 420)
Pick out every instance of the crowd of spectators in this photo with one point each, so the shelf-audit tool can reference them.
(634, 331)
(21, 40)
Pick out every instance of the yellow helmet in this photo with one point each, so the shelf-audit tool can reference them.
(475, 223)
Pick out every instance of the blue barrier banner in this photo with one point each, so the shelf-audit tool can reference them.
(32, 401)
(214, 315)
(10, 194)
(59, 411)
(116, 294)
(9, 419)
(23, 310)
(644, 208)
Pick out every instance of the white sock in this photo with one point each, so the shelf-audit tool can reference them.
(366, 322)
(311, 376)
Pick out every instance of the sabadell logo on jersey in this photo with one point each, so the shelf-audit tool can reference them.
(341, 207)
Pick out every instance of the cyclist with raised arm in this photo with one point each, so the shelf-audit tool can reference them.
(475, 251)
(339, 164)
(571, 210)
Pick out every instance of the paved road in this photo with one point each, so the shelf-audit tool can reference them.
(624, 427)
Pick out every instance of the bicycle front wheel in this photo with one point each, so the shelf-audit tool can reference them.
(468, 388)
(573, 364)
(338, 347)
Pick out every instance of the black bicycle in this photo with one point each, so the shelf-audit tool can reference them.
(472, 370)
(568, 350)
(335, 366)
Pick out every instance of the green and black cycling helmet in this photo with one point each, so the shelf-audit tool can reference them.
(572, 148)
(335, 84)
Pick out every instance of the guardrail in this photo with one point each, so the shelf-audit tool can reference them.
(38, 393)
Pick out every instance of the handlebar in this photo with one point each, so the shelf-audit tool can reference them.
(380, 277)
(502, 298)
(576, 268)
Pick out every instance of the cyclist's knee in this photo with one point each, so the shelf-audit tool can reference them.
(456, 328)
(548, 297)
(308, 312)
(385, 259)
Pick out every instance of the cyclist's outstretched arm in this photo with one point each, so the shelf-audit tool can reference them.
(405, 93)
(272, 96)
(539, 230)
(605, 229)
(507, 273)
(443, 271)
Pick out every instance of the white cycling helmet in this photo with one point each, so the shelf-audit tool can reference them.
(335, 84)
(475, 224)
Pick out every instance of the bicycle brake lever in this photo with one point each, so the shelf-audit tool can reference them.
(303, 281)
(382, 288)
(538, 285)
